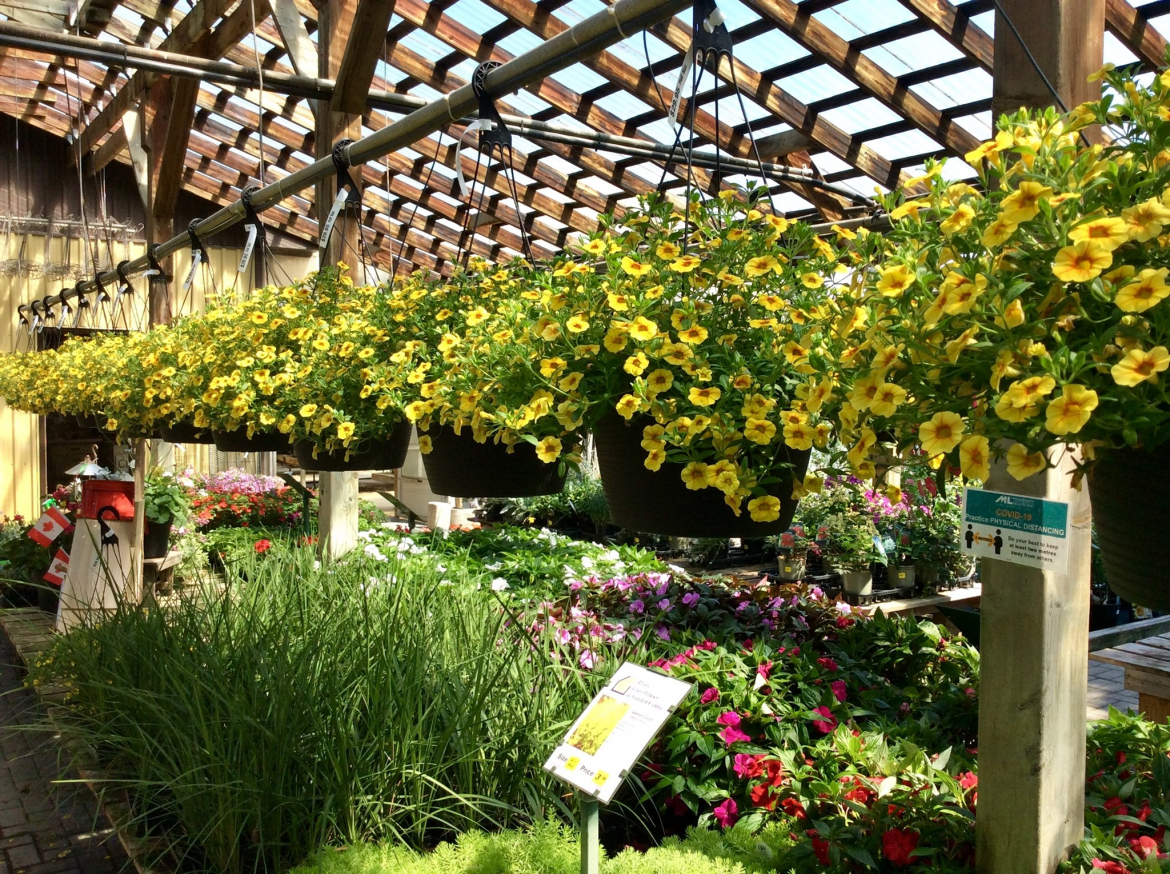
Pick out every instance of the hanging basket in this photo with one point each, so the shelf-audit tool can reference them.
(185, 432)
(458, 467)
(238, 441)
(381, 454)
(156, 539)
(1125, 487)
(658, 502)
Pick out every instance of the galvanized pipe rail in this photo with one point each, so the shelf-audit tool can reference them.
(586, 38)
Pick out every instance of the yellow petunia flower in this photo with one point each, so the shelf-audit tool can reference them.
(1108, 233)
(761, 265)
(895, 280)
(658, 381)
(643, 330)
(636, 364)
(759, 431)
(627, 406)
(765, 508)
(959, 220)
(812, 280)
(635, 268)
(685, 264)
(654, 458)
(703, 396)
(308, 410)
(1023, 204)
(693, 335)
(548, 450)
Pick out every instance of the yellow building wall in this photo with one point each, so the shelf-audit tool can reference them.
(45, 267)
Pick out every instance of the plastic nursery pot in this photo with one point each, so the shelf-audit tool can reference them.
(185, 432)
(156, 539)
(387, 453)
(238, 441)
(791, 568)
(1135, 545)
(459, 467)
(857, 582)
(658, 502)
(902, 577)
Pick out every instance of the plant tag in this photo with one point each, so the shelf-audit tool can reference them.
(615, 729)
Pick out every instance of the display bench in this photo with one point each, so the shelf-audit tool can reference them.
(1147, 672)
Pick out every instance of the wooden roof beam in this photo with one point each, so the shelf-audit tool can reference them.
(797, 22)
(955, 24)
(1132, 26)
(367, 36)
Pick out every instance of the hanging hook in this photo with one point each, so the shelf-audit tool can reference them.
(198, 254)
(82, 304)
(346, 185)
(35, 327)
(253, 225)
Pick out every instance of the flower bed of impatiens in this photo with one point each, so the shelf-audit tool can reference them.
(235, 499)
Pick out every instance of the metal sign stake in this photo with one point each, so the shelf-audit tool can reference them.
(590, 833)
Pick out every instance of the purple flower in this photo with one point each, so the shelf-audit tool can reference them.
(637, 606)
(732, 735)
(664, 605)
(663, 632)
(726, 813)
(709, 695)
(690, 599)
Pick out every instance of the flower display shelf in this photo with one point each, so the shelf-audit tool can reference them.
(878, 596)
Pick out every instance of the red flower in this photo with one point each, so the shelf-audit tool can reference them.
(1144, 846)
(898, 844)
(762, 796)
(793, 807)
(774, 772)
(827, 663)
(827, 723)
(1110, 867)
(262, 546)
(968, 780)
(820, 847)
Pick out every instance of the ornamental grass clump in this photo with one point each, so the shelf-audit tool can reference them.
(253, 724)
(1026, 313)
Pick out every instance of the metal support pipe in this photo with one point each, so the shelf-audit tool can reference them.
(225, 73)
(588, 37)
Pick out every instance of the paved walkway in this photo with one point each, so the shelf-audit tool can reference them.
(46, 827)
(1106, 687)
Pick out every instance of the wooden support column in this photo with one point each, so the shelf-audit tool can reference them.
(1034, 624)
(337, 520)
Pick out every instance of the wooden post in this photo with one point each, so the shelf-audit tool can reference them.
(1034, 624)
(337, 518)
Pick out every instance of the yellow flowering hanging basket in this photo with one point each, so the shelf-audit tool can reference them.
(387, 454)
(458, 466)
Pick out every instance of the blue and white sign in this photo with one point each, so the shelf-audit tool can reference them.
(1016, 529)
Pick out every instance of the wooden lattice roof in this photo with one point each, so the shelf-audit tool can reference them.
(859, 91)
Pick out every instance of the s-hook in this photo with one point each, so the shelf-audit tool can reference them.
(346, 184)
(198, 255)
(253, 226)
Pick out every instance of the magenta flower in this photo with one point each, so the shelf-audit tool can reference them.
(726, 813)
(838, 687)
(729, 717)
(664, 605)
(637, 606)
(733, 735)
(764, 670)
(708, 696)
(746, 766)
(587, 660)
(663, 632)
(827, 723)
(690, 599)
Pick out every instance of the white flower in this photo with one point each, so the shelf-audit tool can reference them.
(586, 562)
(494, 566)
(611, 555)
(499, 584)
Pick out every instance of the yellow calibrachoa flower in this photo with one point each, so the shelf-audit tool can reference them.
(695, 476)
(703, 396)
(761, 265)
(765, 508)
(642, 329)
(627, 406)
(693, 335)
(1081, 262)
(759, 431)
(1146, 291)
(1026, 392)
(635, 268)
(1023, 204)
(799, 435)
(308, 411)
(1108, 233)
(1068, 413)
(667, 251)
(685, 264)
(895, 280)
(548, 450)
(975, 457)
(959, 220)
(942, 433)
(1138, 365)
(1021, 464)
(654, 458)
(577, 324)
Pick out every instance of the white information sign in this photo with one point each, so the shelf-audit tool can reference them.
(1016, 529)
(615, 730)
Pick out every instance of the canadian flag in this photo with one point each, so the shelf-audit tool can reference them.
(57, 570)
(49, 527)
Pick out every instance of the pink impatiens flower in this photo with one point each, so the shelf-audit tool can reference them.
(726, 813)
(708, 696)
(747, 766)
(828, 721)
(731, 735)
(729, 717)
(838, 687)
(827, 663)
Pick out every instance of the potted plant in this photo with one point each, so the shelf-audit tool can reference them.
(854, 549)
(1029, 313)
(792, 547)
(165, 503)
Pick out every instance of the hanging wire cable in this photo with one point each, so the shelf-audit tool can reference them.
(260, 74)
(90, 262)
(1028, 53)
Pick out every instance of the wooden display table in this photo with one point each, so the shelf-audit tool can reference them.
(1147, 672)
(928, 605)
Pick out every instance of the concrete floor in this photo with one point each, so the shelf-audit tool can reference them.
(1106, 688)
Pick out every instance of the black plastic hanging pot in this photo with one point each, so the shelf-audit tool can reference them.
(459, 467)
(658, 502)
(156, 539)
(186, 432)
(387, 453)
(238, 441)
(1126, 486)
